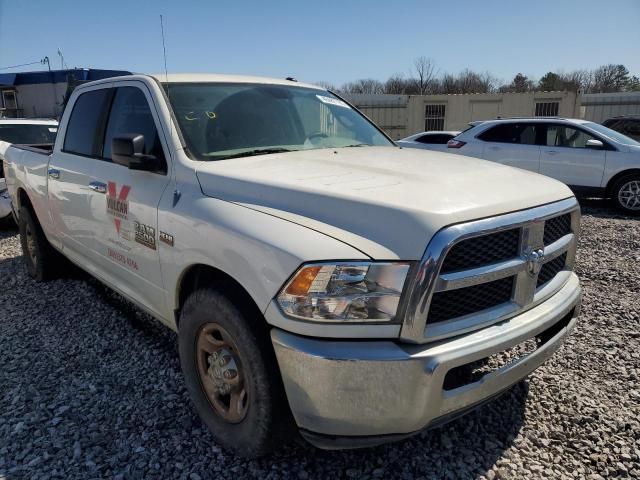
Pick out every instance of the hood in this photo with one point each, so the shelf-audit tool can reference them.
(385, 201)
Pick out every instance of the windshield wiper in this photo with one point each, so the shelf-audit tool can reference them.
(357, 145)
(253, 153)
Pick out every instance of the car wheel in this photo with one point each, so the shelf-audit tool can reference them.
(626, 194)
(231, 373)
(38, 254)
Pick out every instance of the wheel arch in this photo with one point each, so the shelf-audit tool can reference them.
(199, 275)
(612, 181)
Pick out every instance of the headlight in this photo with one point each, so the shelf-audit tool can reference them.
(345, 292)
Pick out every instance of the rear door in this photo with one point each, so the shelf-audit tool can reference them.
(566, 157)
(515, 144)
(125, 202)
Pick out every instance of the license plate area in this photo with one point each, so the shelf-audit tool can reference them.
(474, 371)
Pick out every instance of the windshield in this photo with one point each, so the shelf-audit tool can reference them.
(612, 134)
(221, 121)
(24, 133)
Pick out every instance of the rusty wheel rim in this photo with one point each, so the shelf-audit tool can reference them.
(221, 373)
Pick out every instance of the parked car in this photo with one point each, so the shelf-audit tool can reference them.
(628, 125)
(428, 140)
(316, 274)
(33, 132)
(592, 159)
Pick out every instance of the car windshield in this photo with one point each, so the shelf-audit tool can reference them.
(612, 134)
(221, 121)
(24, 133)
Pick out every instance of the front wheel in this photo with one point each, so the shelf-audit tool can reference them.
(626, 194)
(231, 373)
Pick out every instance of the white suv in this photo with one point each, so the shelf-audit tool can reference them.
(590, 158)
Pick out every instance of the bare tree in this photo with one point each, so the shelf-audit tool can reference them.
(425, 73)
(395, 84)
(328, 85)
(364, 85)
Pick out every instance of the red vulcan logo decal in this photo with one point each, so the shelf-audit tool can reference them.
(117, 204)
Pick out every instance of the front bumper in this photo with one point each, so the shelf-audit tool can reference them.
(359, 393)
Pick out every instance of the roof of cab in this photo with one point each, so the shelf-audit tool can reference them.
(220, 78)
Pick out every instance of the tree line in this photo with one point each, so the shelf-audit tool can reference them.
(426, 79)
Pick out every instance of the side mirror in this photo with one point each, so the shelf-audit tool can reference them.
(128, 150)
(594, 144)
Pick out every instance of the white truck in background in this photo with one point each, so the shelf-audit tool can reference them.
(317, 275)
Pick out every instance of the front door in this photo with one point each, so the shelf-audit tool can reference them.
(566, 157)
(124, 202)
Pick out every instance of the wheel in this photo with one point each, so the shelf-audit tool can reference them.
(38, 254)
(231, 373)
(625, 194)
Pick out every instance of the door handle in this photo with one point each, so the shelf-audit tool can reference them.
(54, 173)
(551, 152)
(98, 187)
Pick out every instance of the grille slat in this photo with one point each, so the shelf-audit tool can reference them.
(477, 251)
(557, 227)
(456, 303)
(551, 269)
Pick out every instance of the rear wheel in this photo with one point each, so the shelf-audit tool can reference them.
(231, 373)
(39, 256)
(625, 194)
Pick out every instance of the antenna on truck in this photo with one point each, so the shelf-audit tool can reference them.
(176, 191)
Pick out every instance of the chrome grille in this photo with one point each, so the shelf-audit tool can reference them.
(485, 271)
(551, 269)
(478, 251)
(457, 303)
(556, 228)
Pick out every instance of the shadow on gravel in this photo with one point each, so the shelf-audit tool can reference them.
(597, 207)
(92, 388)
(464, 448)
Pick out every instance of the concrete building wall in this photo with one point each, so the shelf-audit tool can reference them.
(403, 115)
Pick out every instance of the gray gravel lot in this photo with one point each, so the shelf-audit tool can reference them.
(91, 388)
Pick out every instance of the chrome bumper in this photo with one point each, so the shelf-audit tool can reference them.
(357, 393)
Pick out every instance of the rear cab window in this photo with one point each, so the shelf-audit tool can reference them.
(82, 136)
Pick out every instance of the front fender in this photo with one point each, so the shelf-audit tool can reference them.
(258, 250)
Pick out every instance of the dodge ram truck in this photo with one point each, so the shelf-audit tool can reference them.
(320, 278)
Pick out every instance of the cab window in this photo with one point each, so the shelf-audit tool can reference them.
(130, 113)
(84, 124)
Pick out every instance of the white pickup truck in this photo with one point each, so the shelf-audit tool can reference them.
(317, 275)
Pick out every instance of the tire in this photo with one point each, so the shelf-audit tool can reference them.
(237, 341)
(39, 257)
(625, 194)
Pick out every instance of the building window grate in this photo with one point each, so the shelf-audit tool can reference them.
(547, 109)
(434, 117)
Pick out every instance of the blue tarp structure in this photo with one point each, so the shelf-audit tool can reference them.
(58, 76)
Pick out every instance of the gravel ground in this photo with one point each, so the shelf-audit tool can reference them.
(91, 388)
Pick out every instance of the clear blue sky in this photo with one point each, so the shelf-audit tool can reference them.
(334, 41)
